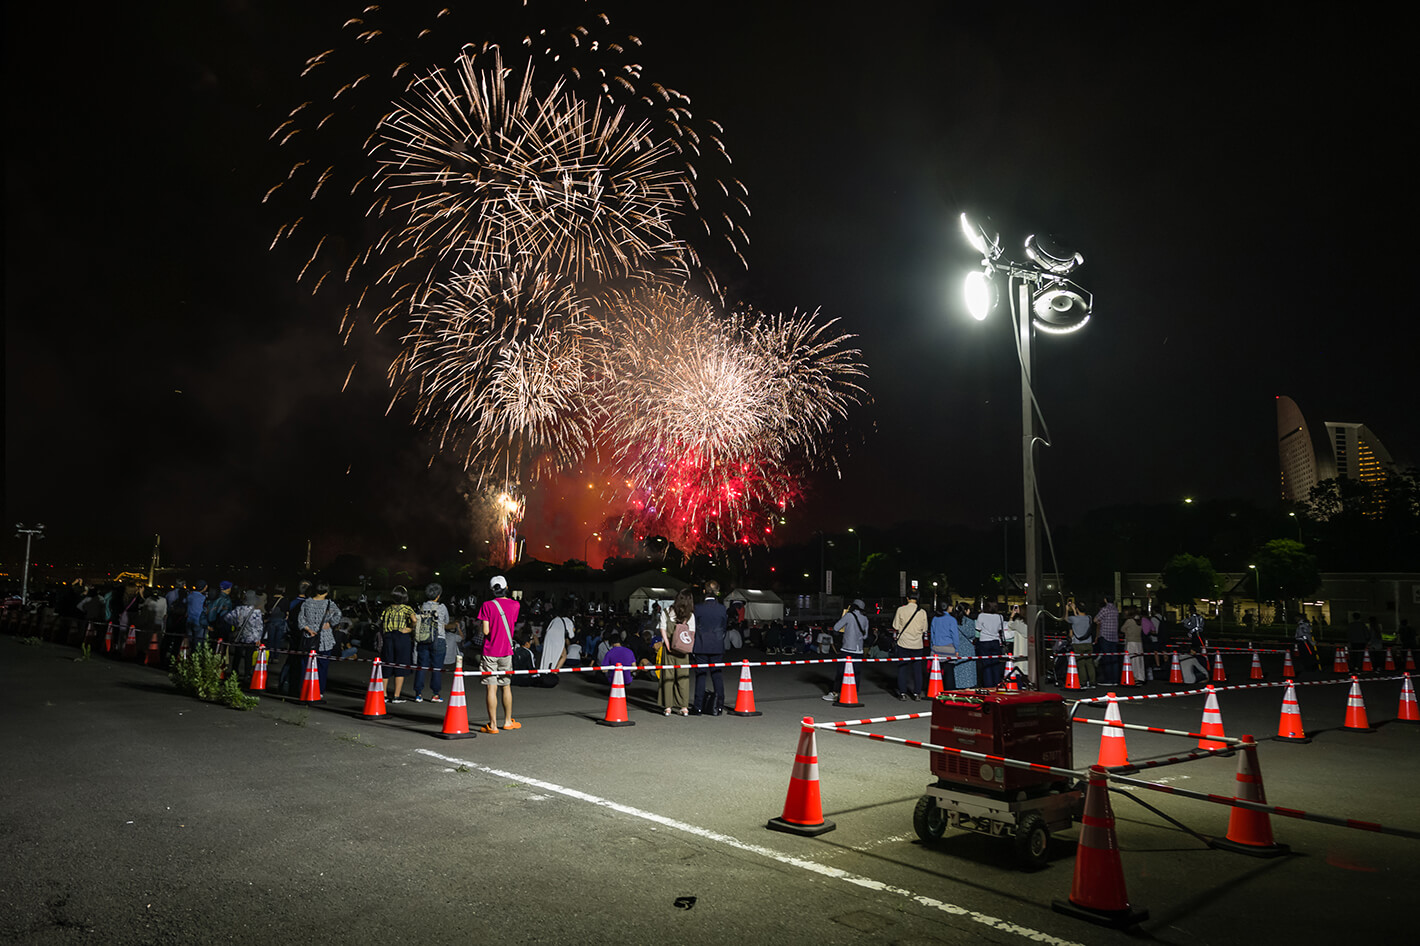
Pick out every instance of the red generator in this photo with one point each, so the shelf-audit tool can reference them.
(990, 798)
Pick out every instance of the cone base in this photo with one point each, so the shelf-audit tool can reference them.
(807, 830)
(1302, 739)
(1252, 850)
(374, 715)
(457, 735)
(849, 705)
(744, 713)
(615, 722)
(1402, 720)
(1358, 729)
(1119, 919)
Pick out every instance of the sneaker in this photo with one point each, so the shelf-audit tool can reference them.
(830, 697)
(397, 699)
(419, 698)
(436, 698)
(917, 697)
(902, 697)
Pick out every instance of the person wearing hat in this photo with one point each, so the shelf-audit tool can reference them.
(496, 617)
(910, 623)
(853, 627)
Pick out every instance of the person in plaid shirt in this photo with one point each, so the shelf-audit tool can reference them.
(398, 625)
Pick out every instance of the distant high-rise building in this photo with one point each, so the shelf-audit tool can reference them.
(1350, 451)
(1297, 454)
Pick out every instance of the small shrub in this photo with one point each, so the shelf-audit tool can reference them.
(200, 675)
(29, 641)
(84, 653)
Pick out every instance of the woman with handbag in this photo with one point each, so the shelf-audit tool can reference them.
(318, 618)
(675, 639)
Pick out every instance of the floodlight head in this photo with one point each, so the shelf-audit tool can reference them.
(1061, 307)
(1047, 253)
(986, 244)
(980, 294)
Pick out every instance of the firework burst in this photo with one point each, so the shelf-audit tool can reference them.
(539, 226)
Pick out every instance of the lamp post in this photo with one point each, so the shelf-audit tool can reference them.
(1041, 297)
(1258, 572)
(594, 535)
(1299, 524)
(1005, 547)
(30, 534)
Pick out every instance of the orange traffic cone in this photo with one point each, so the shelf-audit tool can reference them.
(616, 703)
(1289, 727)
(1072, 673)
(153, 655)
(934, 679)
(744, 699)
(1389, 660)
(1219, 676)
(108, 640)
(848, 693)
(1212, 723)
(182, 651)
(1249, 831)
(258, 670)
(1339, 665)
(455, 714)
(1289, 672)
(375, 694)
(1409, 711)
(1366, 665)
(91, 636)
(1126, 672)
(1256, 672)
(1175, 670)
(1097, 893)
(1113, 750)
(1409, 660)
(1356, 710)
(803, 811)
(130, 644)
(310, 686)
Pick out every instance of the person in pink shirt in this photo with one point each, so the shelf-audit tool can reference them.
(497, 617)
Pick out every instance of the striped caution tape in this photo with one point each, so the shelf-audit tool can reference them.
(1237, 686)
(1157, 729)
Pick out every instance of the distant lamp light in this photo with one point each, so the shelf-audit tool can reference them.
(1051, 256)
(1061, 307)
(980, 295)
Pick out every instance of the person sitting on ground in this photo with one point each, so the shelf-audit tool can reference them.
(617, 653)
(523, 659)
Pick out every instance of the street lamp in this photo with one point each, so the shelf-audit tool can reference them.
(860, 548)
(1299, 525)
(594, 535)
(37, 532)
(1041, 297)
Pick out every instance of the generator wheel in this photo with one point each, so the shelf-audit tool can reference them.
(1032, 841)
(928, 820)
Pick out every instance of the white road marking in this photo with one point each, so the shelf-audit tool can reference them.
(995, 923)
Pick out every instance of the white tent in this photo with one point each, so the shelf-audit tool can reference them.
(642, 598)
(759, 605)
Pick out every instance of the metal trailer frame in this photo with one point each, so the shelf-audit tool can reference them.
(1026, 819)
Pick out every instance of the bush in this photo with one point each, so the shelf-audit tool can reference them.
(200, 674)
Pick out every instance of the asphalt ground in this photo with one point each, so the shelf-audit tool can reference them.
(136, 815)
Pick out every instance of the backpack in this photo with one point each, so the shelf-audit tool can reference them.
(682, 639)
(427, 626)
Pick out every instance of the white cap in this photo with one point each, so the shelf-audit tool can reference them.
(498, 583)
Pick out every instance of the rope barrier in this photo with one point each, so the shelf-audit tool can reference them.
(965, 753)
(1092, 700)
(1266, 809)
(1167, 732)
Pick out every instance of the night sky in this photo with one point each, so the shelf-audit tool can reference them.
(1233, 178)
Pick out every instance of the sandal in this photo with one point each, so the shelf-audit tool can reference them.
(684, 711)
(667, 712)
(512, 724)
(490, 730)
